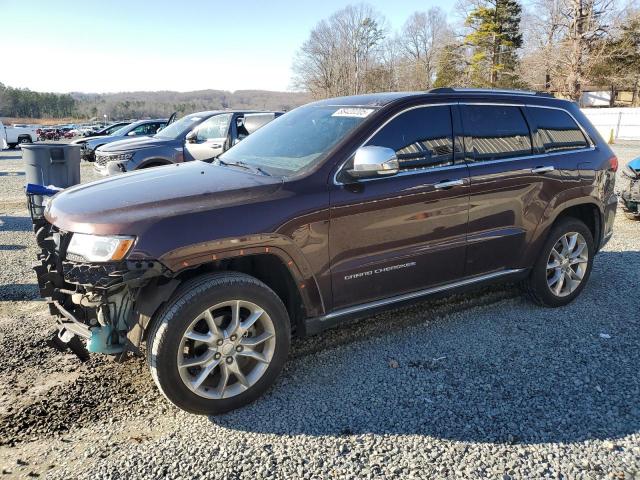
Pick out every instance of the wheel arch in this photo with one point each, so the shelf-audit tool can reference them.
(271, 269)
(271, 265)
(153, 162)
(584, 208)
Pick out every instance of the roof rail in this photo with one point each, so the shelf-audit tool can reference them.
(496, 91)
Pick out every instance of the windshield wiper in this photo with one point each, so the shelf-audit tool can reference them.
(244, 165)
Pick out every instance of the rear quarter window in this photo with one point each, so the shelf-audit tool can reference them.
(555, 130)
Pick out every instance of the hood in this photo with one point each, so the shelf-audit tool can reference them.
(91, 137)
(128, 204)
(136, 143)
(99, 141)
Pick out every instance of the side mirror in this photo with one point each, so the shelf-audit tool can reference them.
(191, 137)
(373, 161)
(132, 133)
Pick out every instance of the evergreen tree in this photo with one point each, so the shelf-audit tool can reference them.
(450, 67)
(494, 39)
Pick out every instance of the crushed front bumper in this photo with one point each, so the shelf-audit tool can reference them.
(630, 193)
(96, 303)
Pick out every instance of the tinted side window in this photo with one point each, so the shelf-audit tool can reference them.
(555, 130)
(421, 138)
(494, 132)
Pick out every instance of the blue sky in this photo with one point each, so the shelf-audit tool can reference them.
(107, 46)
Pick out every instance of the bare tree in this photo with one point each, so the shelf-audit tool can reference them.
(421, 38)
(340, 52)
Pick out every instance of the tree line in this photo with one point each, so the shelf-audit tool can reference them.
(23, 103)
(559, 46)
(17, 102)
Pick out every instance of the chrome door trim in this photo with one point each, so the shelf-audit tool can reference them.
(546, 169)
(448, 184)
(467, 163)
(420, 293)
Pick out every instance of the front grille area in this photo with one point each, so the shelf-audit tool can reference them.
(101, 276)
(101, 159)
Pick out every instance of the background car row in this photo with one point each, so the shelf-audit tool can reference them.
(152, 143)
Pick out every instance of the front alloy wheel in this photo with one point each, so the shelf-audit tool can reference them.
(226, 349)
(219, 343)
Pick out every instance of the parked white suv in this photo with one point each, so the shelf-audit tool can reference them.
(13, 135)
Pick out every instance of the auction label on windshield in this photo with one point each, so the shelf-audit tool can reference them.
(352, 112)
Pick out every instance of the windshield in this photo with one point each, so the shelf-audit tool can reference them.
(122, 131)
(179, 127)
(296, 140)
(112, 129)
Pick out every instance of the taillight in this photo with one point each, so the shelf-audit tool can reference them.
(613, 164)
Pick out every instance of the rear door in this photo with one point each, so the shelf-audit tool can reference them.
(511, 185)
(210, 138)
(392, 235)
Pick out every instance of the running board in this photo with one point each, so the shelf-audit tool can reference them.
(317, 324)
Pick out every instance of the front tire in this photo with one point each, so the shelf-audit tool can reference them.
(564, 265)
(219, 343)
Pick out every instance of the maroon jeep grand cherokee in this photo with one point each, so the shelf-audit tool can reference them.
(334, 210)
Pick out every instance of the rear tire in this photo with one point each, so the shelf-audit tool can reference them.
(202, 360)
(569, 265)
(24, 140)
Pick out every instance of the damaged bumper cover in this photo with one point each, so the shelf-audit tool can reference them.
(630, 187)
(107, 305)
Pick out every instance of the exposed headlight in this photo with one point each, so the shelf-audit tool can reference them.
(97, 248)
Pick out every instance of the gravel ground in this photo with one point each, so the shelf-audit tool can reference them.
(484, 385)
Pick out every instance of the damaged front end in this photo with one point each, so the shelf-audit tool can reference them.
(630, 188)
(96, 304)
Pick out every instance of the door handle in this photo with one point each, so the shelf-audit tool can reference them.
(448, 184)
(215, 145)
(543, 169)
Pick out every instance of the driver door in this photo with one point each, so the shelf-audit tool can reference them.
(209, 138)
(391, 235)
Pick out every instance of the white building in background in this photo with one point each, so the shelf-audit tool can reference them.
(621, 123)
(595, 99)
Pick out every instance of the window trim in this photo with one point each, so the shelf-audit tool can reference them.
(465, 163)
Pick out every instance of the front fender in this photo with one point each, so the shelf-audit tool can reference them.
(279, 245)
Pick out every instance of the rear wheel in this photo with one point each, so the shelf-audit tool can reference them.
(564, 265)
(24, 140)
(219, 343)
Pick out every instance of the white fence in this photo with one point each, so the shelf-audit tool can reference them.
(623, 122)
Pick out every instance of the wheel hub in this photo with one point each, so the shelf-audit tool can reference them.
(226, 349)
